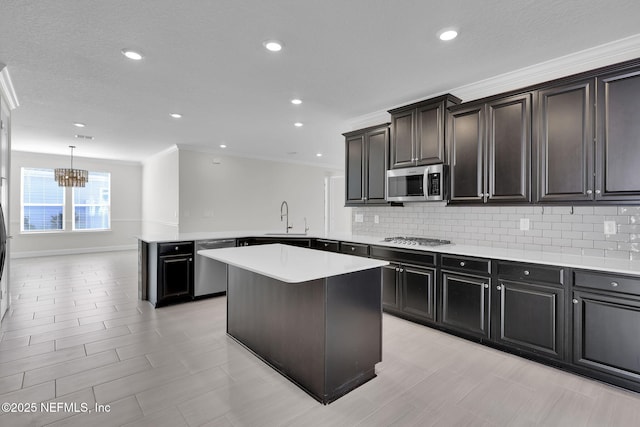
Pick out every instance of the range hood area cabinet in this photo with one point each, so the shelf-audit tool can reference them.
(418, 132)
(490, 150)
(590, 139)
(366, 165)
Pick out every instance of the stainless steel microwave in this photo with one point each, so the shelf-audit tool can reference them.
(419, 184)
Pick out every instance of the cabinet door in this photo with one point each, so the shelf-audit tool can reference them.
(466, 157)
(354, 169)
(509, 149)
(390, 294)
(465, 303)
(618, 145)
(430, 134)
(403, 139)
(176, 276)
(418, 292)
(566, 142)
(607, 334)
(376, 165)
(530, 317)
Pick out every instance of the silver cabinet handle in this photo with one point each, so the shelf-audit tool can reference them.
(401, 270)
(575, 301)
(353, 249)
(526, 272)
(486, 285)
(462, 263)
(589, 191)
(481, 195)
(326, 245)
(190, 259)
(614, 284)
(176, 248)
(397, 269)
(597, 191)
(499, 287)
(486, 194)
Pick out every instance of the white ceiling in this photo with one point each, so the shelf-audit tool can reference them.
(203, 58)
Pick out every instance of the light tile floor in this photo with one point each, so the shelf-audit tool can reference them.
(77, 333)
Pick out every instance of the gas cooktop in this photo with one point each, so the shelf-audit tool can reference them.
(416, 241)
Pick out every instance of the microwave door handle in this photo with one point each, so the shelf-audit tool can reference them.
(425, 184)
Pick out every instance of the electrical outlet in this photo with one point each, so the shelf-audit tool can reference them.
(376, 219)
(610, 227)
(524, 224)
(359, 217)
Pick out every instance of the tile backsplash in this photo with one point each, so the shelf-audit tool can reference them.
(575, 230)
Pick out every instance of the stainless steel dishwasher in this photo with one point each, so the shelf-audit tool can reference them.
(211, 275)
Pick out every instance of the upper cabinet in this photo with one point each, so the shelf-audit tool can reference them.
(565, 150)
(490, 151)
(418, 132)
(366, 165)
(618, 136)
(589, 139)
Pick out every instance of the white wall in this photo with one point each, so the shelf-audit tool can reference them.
(126, 208)
(232, 193)
(160, 179)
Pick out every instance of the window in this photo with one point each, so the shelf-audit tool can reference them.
(42, 201)
(92, 203)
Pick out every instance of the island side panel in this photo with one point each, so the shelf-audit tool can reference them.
(282, 323)
(354, 330)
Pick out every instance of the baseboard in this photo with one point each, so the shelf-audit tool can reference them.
(73, 251)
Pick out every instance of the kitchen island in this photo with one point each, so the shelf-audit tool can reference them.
(314, 316)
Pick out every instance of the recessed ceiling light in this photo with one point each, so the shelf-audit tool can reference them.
(273, 45)
(79, 125)
(87, 137)
(447, 34)
(132, 54)
(296, 101)
(176, 115)
(318, 154)
(298, 124)
(223, 146)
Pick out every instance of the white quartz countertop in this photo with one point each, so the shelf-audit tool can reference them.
(612, 265)
(291, 264)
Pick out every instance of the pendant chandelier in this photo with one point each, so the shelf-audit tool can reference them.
(71, 177)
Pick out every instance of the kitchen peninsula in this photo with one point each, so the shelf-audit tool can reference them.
(314, 316)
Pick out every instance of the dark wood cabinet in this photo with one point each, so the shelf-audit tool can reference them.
(606, 326)
(175, 278)
(408, 290)
(366, 165)
(467, 154)
(509, 149)
(565, 142)
(326, 245)
(465, 303)
(529, 311)
(618, 136)
(418, 132)
(490, 151)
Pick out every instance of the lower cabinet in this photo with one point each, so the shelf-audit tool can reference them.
(530, 317)
(175, 278)
(606, 325)
(409, 291)
(529, 308)
(465, 303)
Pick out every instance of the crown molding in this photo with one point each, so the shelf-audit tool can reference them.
(6, 87)
(584, 60)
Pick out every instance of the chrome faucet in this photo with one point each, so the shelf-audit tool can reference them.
(284, 213)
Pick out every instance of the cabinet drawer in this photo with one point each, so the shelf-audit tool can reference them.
(354, 249)
(607, 282)
(326, 245)
(466, 264)
(530, 272)
(403, 256)
(175, 248)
